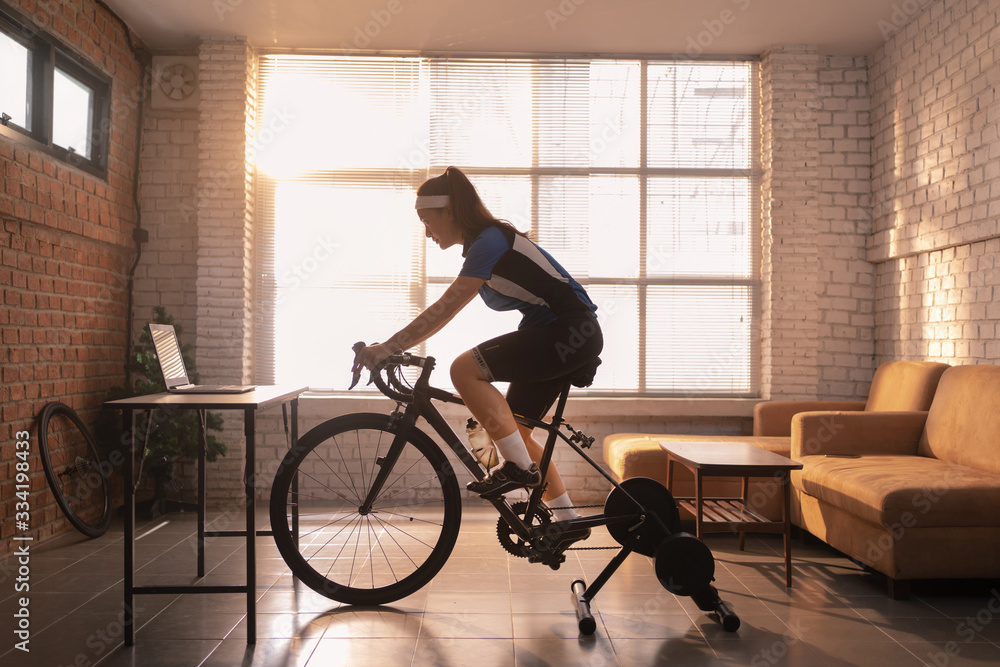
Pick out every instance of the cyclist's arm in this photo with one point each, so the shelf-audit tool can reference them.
(426, 324)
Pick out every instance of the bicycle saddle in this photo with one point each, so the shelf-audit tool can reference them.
(584, 375)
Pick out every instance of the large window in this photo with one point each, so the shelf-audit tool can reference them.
(52, 99)
(637, 175)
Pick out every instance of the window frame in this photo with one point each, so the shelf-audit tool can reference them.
(48, 55)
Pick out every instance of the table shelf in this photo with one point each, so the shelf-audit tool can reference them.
(726, 510)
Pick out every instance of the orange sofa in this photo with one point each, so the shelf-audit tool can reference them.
(896, 385)
(912, 494)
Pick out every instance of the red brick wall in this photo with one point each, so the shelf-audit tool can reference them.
(65, 252)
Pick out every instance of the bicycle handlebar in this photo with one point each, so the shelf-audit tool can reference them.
(393, 388)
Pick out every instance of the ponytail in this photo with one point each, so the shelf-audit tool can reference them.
(468, 208)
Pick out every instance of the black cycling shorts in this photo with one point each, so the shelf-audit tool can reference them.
(536, 361)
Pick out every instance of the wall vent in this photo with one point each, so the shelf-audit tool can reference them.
(175, 82)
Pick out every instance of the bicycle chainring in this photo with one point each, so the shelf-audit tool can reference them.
(510, 541)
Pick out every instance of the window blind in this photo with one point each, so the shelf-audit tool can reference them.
(639, 176)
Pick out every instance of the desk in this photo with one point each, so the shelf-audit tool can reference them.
(261, 398)
(735, 459)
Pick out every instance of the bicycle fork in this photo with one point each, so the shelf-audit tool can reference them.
(404, 421)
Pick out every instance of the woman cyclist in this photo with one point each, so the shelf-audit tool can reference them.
(558, 333)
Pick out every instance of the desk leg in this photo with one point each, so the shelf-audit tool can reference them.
(698, 519)
(128, 621)
(250, 432)
(746, 499)
(295, 479)
(202, 501)
(670, 473)
(786, 512)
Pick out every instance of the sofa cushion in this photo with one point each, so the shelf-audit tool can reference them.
(963, 424)
(774, 418)
(902, 491)
(640, 454)
(904, 386)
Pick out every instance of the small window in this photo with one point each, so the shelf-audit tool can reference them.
(15, 82)
(50, 98)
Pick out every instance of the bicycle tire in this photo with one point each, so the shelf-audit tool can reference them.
(378, 557)
(74, 470)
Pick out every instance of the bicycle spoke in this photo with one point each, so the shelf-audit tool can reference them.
(413, 517)
(324, 485)
(410, 488)
(408, 535)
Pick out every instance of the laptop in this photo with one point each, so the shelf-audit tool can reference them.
(168, 353)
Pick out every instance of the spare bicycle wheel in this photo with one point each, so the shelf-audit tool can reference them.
(653, 499)
(74, 469)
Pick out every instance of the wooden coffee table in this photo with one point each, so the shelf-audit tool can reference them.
(733, 459)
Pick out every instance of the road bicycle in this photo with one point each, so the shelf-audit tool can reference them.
(377, 508)
(76, 473)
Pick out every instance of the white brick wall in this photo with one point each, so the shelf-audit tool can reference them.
(168, 184)
(817, 287)
(845, 279)
(936, 186)
(227, 76)
(789, 101)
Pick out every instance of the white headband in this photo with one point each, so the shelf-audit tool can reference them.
(432, 201)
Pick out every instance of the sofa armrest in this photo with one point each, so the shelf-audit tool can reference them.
(856, 433)
(774, 418)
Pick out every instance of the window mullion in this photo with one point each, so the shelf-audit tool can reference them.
(43, 69)
(643, 220)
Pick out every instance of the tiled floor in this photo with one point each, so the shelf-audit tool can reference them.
(487, 608)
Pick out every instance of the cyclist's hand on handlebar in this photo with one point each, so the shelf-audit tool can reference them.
(370, 356)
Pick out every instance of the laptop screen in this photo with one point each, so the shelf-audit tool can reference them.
(169, 354)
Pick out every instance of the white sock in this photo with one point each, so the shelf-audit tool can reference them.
(513, 449)
(560, 514)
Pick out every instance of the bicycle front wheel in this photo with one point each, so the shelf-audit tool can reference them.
(74, 470)
(339, 548)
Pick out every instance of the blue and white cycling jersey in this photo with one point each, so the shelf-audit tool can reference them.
(520, 275)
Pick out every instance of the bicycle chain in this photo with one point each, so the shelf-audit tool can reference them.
(575, 507)
(591, 548)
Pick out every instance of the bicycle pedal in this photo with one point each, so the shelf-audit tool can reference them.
(553, 560)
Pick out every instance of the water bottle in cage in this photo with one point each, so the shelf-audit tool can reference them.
(481, 444)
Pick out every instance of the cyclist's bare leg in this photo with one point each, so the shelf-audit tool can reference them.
(556, 487)
(490, 409)
(486, 403)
